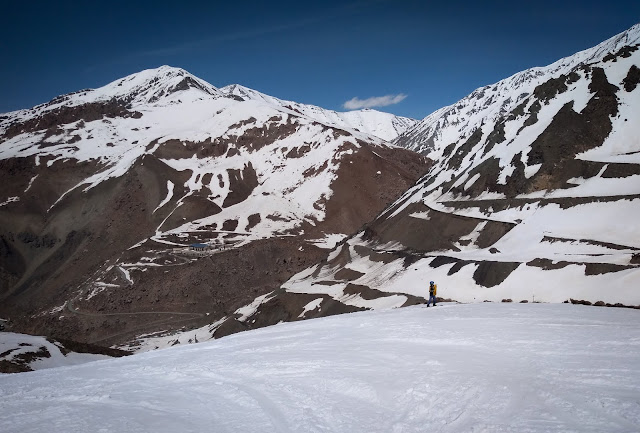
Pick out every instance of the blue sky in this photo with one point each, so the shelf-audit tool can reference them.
(421, 55)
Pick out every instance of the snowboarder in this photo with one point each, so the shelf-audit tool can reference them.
(433, 291)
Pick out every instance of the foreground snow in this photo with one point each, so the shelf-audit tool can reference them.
(454, 368)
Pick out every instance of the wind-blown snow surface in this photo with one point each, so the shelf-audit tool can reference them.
(454, 368)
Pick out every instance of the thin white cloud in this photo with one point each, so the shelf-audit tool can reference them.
(375, 101)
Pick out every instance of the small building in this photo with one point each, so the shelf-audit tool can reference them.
(199, 247)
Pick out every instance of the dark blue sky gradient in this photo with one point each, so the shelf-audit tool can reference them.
(321, 53)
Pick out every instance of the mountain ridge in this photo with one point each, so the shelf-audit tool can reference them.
(421, 136)
(168, 85)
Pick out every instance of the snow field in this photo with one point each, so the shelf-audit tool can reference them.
(453, 368)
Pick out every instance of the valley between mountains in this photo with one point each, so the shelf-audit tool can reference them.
(160, 210)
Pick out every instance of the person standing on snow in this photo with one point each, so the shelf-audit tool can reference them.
(433, 291)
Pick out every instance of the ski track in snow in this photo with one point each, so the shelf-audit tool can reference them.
(454, 368)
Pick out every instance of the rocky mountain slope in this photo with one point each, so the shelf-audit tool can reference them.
(534, 196)
(104, 190)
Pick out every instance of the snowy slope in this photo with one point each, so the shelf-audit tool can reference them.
(372, 122)
(454, 368)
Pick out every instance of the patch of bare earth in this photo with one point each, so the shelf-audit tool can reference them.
(367, 182)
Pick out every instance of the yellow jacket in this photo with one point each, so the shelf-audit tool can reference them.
(435, 290)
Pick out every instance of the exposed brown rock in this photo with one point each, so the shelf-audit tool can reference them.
(253, 220)
(242, 184)
(70, 114)
(368, 293)
(347, 274)
(12, 367)
(359, 193)
(489, 274)
(441, 261)
(547, 264)
(489, 170)
(230, 225)
(67, 346)
(603, 268)
(20, 363)
(580, 302)
(285, 306)
(440, 232)
(632, 79)
(256, 138)
(193, 207)
(178, 149)
(623, 52)
(551, 88)
(495, 137)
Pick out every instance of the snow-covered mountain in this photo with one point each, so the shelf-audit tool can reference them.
(491, 106)
(534, 196)
(104, 189)
(454, 368)
(372, 122)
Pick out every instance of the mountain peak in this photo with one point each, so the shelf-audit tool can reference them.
(150, 85)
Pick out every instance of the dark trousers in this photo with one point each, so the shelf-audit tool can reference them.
(432, 298)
